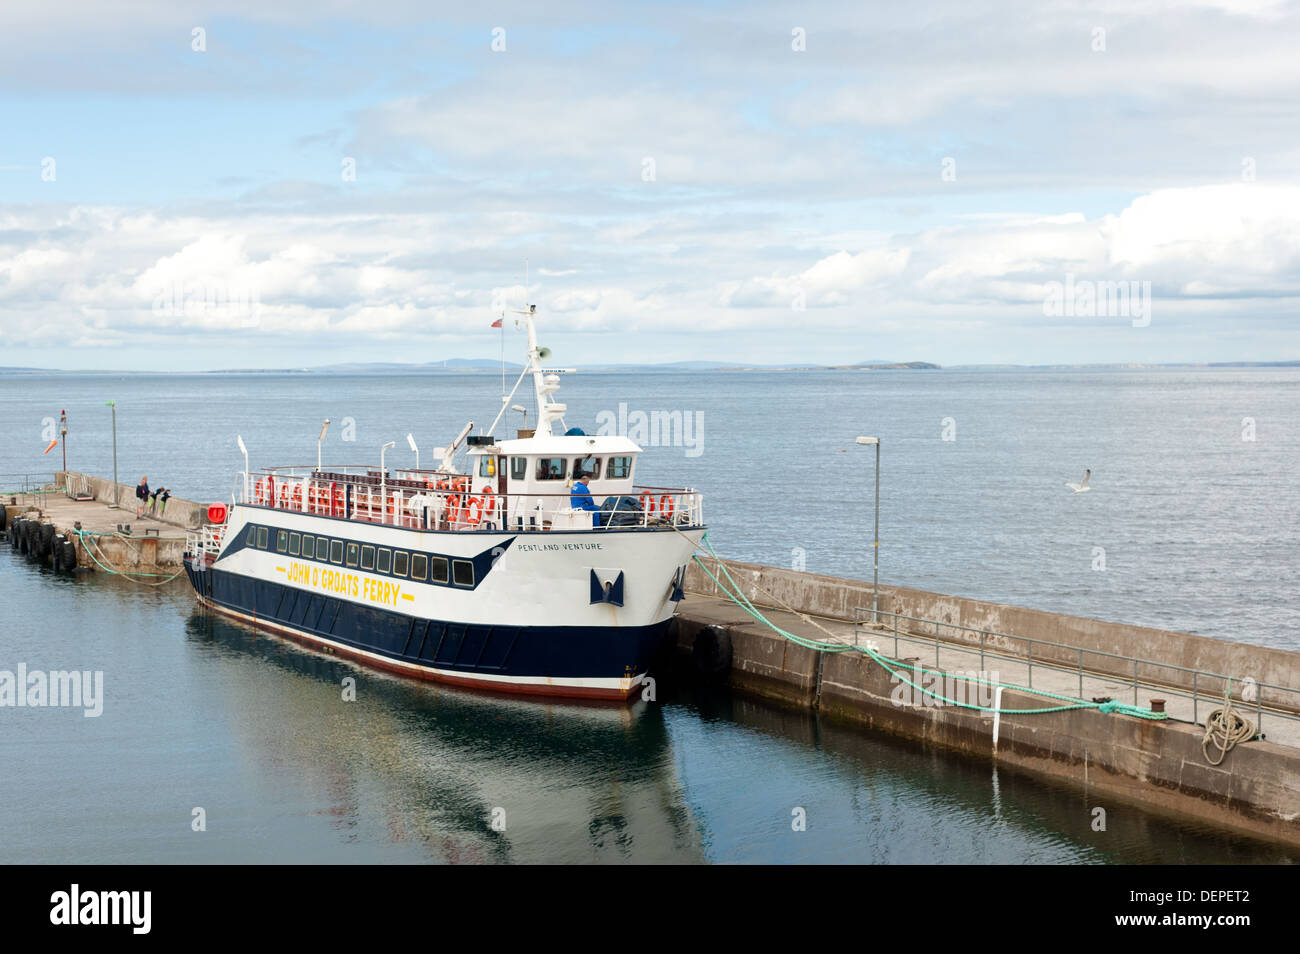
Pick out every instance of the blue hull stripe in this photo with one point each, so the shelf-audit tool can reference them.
(558, 652)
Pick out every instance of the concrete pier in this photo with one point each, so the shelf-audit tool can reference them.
(155, 544)
(1159, 765)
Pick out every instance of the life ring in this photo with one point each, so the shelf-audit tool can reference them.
(489, 501)
(473, 511)
(647, 501)
(336, 501)
(297, 497)
(666, 506)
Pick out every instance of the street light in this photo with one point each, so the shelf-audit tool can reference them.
(243, 450)
(875, 579)
(323, 428)
(522, 410)
(113, 405)
(383, 481)
(415, 447)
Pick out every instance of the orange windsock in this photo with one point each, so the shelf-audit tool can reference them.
(53, 444)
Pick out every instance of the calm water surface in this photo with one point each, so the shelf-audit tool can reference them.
(1199, 530)
(203, 712)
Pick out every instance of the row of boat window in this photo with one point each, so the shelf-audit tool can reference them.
(421, 567)
(557, 468)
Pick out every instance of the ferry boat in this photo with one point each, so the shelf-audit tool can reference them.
(490, 576)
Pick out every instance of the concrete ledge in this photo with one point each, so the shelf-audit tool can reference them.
(836, 597)
(180, 512)
(1156, 764)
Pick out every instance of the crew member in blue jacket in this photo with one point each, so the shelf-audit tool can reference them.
(580, 496)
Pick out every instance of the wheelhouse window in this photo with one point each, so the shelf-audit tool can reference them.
(367, 558)
(619, 468)
(295, 542)
(550, 468)
(518, 468)
(353, 550)
(463, 571)
(588, 465)
(261, 538)
(309, 546)
(419, 566)
(336, 551)
(384, 563)
(252, 535)
(487, 466)
(438, 570)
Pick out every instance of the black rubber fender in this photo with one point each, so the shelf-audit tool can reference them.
(47, 540)
(65, 556)
(711, 652)
(24, 536)
(4, 515)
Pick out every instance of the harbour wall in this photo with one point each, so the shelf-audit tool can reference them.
(1158, 765)
(1175, 655)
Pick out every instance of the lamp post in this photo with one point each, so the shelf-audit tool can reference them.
(415, 447)
(875, 573)
(116, 503)
(383, 481)
(63, 433)
(319, 440)
(243, 450)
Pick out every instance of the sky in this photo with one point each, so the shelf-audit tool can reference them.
(186, 186)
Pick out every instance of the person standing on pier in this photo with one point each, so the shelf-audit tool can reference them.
(142, 495)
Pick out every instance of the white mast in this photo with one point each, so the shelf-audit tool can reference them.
(546, 381)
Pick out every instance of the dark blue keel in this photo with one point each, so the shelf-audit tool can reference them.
(555, 652)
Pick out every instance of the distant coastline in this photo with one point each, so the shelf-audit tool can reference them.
(482, 366)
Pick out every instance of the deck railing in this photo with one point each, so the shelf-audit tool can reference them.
(430, 500)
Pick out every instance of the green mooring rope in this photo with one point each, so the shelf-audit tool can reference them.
(88, 537)
(738, 597)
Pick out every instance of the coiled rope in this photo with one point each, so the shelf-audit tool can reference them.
(732, 591)
(1224, 728)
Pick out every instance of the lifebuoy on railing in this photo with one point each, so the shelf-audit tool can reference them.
(666, 506)
(473, 512)
(335, 499)
(647, 501)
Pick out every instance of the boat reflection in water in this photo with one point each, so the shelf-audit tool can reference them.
(451, 774)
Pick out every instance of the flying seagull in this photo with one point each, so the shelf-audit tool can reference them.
(1082, 486)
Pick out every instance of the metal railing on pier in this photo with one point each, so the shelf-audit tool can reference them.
(1205, 689)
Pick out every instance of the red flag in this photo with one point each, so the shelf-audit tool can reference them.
(497, 323)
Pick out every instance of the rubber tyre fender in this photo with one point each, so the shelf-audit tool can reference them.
(25, 537)
(4, 515)
(47, 540)
(711, 652)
